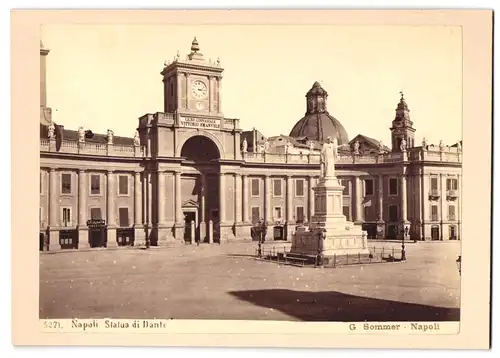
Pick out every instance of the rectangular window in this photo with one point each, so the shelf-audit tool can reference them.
(346, 210)
(277, 213)
(255, 214)
(393, 186)
(123, 185)
(434, 183)
(299, 187)
(451, 184)
(451, 212)
(255, 187)
(66, 183)
(277, 187)
(299, 214)
(95, 184)
(345, 184)
(95, 214)
(123, 217)
(434, 213)
(368, 187)
(393, 213)
(66, 217)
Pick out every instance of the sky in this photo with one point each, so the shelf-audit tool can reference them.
(107, 76)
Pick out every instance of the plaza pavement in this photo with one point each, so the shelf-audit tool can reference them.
(227, 282)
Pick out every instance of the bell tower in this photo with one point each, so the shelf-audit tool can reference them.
(192, 85)
(402, 126)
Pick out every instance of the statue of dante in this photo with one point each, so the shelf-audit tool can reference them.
(244, 146)
(328, 157)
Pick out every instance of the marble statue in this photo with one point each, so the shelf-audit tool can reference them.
(459, 146)
(137, 141)
(356, 147)
(424, 143)
(81, 134)
(403, 145)
(441, 145)
(244, 145)
(380, 147)
(311, 145)
(266, 146)
(328, 157)
(110, 135)
(52, 131)
(288, 147)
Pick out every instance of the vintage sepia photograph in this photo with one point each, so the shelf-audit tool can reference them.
(303, 173)
(172, 189)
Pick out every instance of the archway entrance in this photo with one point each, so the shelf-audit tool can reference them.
(200, 187)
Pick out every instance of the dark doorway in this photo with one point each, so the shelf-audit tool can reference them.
(371, 230)
(97, 237)
(42, 242)
(68, 239)
(188, 217)
(125, 236)
(453, 232)
(435, 232)
(392, 231)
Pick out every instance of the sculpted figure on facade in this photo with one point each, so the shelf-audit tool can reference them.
(459, 146)
(137, 141)
(441, 146)
(244, 146)
(424, 143)
(403, 145)
(110, 135)
(52, 131)
(380, 147)
(81, 134)
(266, 146)
(356, 147)
(328, 157)
(311, 146)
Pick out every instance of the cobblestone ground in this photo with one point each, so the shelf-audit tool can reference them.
(227, 282)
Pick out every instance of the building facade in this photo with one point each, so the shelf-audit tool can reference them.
(190, 174)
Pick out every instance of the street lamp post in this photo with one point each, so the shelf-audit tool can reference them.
(405, 235)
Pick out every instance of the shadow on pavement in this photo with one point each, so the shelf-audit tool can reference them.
(339, 307)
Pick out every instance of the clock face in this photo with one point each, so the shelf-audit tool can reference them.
(199, 89)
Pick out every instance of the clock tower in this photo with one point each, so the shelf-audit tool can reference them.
(192, 86)
(402, 127)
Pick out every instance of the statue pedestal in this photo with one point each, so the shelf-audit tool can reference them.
(330, 234)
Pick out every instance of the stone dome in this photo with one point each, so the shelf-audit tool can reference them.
(318, 124)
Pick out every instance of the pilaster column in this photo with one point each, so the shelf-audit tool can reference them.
(187, 90)
(149, 185)
(237, 197)
(137, 199)
(424, 197)
(110, 216)
(219, 108)
(289, 199)
(244, 178)
(267, 199)
(178, 199)
(442, 200)
(54, 196)
(358, 196)
(311, 197)
(203, 197)
(82, 198)
(381, 197)
(210, 94)
(404, 206)
(161, 198)
(222, 198)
